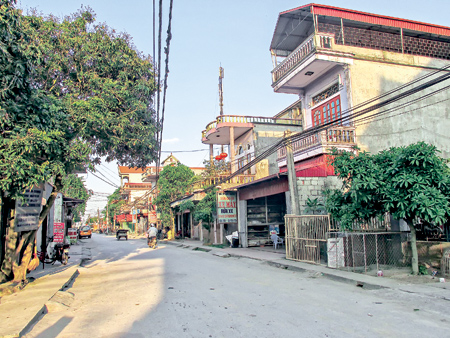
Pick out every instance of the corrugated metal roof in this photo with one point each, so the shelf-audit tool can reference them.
(382, 20)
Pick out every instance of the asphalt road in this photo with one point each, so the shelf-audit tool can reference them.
(129, 290)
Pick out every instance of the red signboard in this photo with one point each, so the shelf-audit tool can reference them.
(58, 232)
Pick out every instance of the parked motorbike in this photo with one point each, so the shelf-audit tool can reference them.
(57, 252)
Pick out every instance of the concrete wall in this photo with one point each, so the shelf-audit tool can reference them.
(265, 135)
(313, 187)
(373, 72)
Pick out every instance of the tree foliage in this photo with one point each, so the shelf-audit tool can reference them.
(115, 202)
(174, 182)
(408, 182)
(72, 91)
(206, 209)
(73, 187)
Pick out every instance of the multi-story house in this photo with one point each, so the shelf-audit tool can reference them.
(138, 188)
(247, 137)
(336, 60)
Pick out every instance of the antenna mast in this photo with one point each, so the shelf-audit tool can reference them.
(220, 90)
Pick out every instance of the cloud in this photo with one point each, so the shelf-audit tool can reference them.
(171, 140)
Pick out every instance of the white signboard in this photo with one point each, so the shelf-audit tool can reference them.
(28, 210)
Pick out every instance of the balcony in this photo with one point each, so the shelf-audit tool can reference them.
(312, 58)
(217, 132)
(137, 186)
(235, 181)
(342, 138)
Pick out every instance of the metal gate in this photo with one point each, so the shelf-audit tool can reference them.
(306, 238)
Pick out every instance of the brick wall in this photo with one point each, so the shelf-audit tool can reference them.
(391, 42)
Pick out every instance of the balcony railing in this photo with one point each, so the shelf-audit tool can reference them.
(321, 40)
(137, 186)
(216, 180)
(332, 137)
(248, 119)
(293, 59)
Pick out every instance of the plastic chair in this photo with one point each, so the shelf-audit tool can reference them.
(274, 239)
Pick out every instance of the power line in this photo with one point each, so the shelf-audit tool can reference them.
(302, 135)
(113, 185)
(166, 75)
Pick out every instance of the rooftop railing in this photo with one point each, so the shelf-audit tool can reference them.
(248, 119)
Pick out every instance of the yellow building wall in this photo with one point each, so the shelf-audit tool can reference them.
(375, 72)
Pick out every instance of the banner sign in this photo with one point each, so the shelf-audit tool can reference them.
(227, 207)
(28, 210)
(58, 232)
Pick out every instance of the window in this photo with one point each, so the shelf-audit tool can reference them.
(327, 112)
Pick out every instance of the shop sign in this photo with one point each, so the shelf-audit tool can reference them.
(227, 207)
(28, 209)
(58, 232)
(72, 232)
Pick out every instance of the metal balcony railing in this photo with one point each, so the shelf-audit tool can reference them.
(332, 137)
(248, 119)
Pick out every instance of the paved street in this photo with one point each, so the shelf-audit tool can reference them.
(129, 290)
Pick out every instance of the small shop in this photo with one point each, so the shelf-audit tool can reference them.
(262, 207)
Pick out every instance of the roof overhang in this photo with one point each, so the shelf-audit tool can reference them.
(295, 25)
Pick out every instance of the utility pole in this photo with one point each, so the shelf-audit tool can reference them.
(107, 218)
(292, 178)
(221, 76)
(98, 217)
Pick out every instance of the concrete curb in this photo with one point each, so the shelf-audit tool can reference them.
(61, 298)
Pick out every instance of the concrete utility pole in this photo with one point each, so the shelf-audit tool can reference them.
(221, 76)
(107, 218)
(292, 178)
(98, 217)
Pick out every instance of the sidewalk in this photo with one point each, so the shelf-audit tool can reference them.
(278, 258)
(28, 305)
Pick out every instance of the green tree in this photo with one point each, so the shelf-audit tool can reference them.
(206, 209)
(174, 182)
(115, 202)
(73, 187)
(409, 182)
(72, 92)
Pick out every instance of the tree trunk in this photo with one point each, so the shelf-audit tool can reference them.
(415, 256)
(6, 272)
(20, 265)
(10, 267)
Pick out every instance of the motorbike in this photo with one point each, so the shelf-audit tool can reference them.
(57, 252)
(152, 242)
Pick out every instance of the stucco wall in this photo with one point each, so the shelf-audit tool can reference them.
(407, 125)
(265, 135)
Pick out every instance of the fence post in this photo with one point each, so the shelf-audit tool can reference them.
(376, 250)
(365, 256)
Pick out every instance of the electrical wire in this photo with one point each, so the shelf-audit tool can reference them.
(166, 75)
(302, 135)
(113, 185)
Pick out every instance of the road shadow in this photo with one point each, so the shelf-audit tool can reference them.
(54, 330)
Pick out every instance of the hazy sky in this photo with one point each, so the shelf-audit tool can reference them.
(206, 34)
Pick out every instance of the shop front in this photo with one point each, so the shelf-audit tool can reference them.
(262, 205)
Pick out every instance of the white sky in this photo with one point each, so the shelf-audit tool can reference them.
(235, 34)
